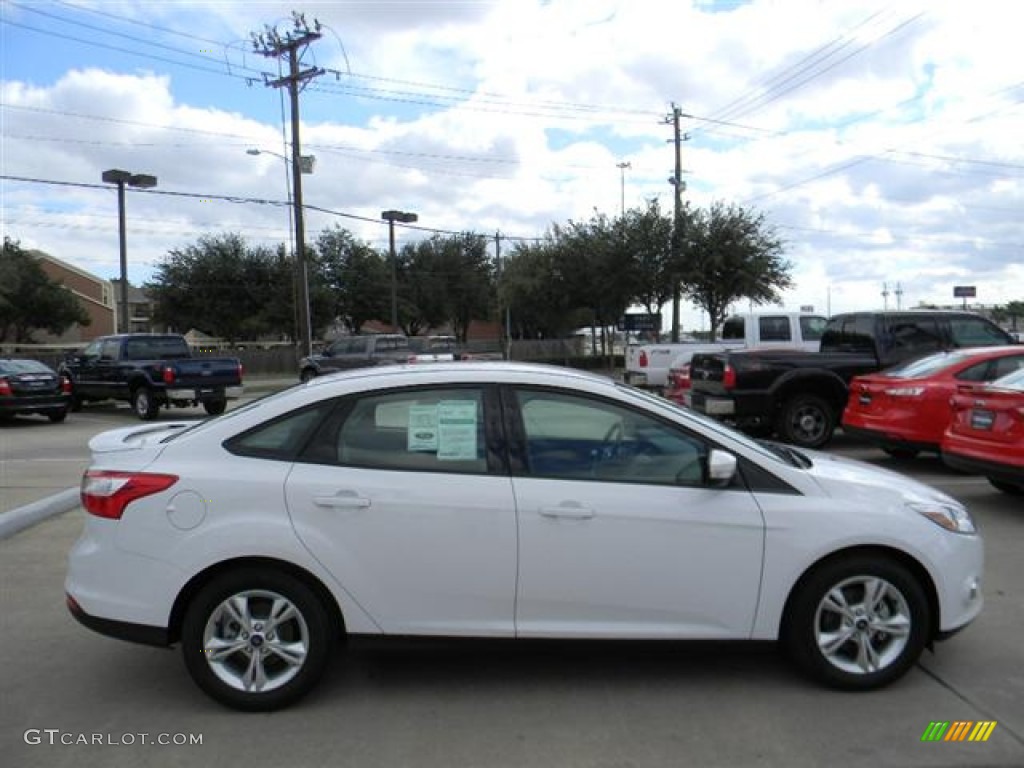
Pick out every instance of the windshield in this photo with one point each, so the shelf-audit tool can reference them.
(926, 366)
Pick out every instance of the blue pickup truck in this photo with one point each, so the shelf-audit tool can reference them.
(149, 371)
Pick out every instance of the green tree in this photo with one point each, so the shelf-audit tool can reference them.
(1015, 311)
(356, 278)
(529, 286)
(729, 253)
(30, 300)
(225, 288)
(648, 242)
(446, 279)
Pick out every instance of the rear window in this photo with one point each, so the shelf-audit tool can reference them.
(23, 366)
(156, 348)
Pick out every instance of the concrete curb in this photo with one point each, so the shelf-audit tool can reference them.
(24, 517)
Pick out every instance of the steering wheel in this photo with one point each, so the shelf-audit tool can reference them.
(609, 447)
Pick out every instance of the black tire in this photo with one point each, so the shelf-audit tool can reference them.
(806, 421)
(306, 374)
(76, 404)
(215, 407)
(57, 416)
(223, 676)
(810, 621)
(1012, 489)
(900, 453)
(145, 407)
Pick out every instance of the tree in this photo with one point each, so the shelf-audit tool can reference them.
(648, 237)
(355, 276)
(529, 287)
(730, 254)
(1015, 311)
(445, 279)
(223, 287)
(30, 300)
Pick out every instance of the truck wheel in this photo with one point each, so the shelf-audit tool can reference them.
(1010, 488)
(215, 407)
(307, 374)
(806, 421)
(76, 403)
(143, 404)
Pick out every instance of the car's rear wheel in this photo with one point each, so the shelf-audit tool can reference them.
(145, 407)
(256, 639)
(57, 416)
(215, 407)
(806, 421)
(1013, 489)
(857, 623)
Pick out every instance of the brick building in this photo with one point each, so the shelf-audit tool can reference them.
(95, 294)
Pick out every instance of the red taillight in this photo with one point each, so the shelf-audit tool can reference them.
(679, 378)
(106, 494)
(241, 371)
(65, 385)
(168, 375)
(5, 388)
(643, 359)
(728, 377)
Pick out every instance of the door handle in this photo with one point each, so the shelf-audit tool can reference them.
(342, 501)
(568, 512)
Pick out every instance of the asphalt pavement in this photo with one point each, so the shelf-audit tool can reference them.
(37, 485)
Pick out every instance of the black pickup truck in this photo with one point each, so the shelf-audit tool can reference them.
(801, 395)
(150, 371)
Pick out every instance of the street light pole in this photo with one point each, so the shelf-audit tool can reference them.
(391, 216)
(142, 181)
(622, 183)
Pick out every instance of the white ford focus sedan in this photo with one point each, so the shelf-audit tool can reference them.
(502, 500)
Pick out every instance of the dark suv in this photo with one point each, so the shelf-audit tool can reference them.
(356, 352)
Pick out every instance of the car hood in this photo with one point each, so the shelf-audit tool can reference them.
(849, 479)
(145, 437)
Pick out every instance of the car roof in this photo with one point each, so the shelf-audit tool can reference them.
(459, 371)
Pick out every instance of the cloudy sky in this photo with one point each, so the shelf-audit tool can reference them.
(882, 141)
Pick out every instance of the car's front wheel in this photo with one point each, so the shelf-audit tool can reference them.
(256, 639)
(857, 623)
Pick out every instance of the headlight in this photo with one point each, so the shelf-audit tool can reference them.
(952, 517)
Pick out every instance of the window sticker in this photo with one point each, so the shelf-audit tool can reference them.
(456, 430)
(422, 428)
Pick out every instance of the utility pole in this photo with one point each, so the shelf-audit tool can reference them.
(679, 185)
(885, 296)
(899, 296)
(507, 346)
(293, 44)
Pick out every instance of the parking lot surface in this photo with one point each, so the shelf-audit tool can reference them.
(73, 698)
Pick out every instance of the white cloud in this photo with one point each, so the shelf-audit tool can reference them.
(882, 141)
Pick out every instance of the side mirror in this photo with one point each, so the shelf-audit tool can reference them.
(721, 468)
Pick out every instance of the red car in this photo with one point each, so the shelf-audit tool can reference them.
(986, 434)
(905, 409)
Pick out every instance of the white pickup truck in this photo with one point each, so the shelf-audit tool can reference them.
(647, 365)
